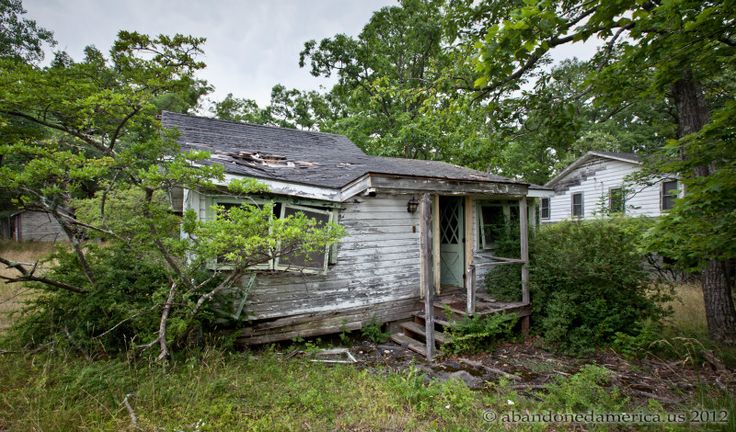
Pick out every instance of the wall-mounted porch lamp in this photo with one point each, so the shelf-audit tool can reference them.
(412, 205)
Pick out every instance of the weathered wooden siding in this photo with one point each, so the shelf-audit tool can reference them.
(594, 179)
(377, 261)
(37, 226)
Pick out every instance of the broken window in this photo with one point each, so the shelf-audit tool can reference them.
(308, 262)
(300, 260)
(497, 221)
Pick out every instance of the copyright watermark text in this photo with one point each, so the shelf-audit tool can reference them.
(593, 417)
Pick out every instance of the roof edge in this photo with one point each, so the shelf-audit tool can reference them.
(552, 182)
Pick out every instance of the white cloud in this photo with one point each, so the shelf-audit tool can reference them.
(251, 45)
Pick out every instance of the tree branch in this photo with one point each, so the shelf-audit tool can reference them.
(223, 285)
(99, 146)
(157, 239)
(122, 124)
(28, 276)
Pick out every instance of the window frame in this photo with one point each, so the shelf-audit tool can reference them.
(216, 201)
(272, 265)
(542, 208)
(663, 194)
(582, 205)
(506, 210)
(326, 255)
(620, 190)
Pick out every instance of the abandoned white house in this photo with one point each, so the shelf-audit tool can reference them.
(597, 184)
(410, 225)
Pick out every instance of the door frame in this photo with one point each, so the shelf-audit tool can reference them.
(463, 238)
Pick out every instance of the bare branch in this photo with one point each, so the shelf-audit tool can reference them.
(131, 413)
(27, 275)
(222, 286)
(161, 338)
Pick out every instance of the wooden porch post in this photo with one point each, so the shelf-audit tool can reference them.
(426, 268)
(468, 254)
(524, 240)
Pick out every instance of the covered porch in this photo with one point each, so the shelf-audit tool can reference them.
(457, 234)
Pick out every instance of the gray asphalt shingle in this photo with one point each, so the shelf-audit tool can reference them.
(305, 157)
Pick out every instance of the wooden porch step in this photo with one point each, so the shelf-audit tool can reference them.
(419, 330)
(441, 307)
(408, 342)
(437, 320)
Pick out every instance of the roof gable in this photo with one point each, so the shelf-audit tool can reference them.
(630, 158)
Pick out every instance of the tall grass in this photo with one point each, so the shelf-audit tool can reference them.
(214, 391)
(688, 311)
(12, 295)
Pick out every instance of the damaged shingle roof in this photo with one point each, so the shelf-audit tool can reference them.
(296, 156)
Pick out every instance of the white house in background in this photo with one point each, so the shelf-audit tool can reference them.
(596, 184)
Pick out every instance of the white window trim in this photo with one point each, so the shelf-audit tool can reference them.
(582, 205)
(326, 256)
(273, 264)
(549, 209)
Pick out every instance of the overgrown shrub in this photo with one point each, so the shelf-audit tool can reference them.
(122, 307)
(479, 333)
(119, 306)
(503, 282)
(589, 282)
(373, 331)
(589, 389)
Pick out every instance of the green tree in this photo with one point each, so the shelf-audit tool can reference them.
(21, 38)
(391, 82)
(676, 51)
(290, 108)
(81, 142)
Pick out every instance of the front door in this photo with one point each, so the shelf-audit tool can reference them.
(451, 241)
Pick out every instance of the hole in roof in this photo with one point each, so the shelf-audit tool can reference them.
(267, 159)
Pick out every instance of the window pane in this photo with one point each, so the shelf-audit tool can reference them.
(669, 194)
(312, 260)
(545, 208)
(577, 204)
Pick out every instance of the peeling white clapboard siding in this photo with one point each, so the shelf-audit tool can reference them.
(594, 179)
(377, 262)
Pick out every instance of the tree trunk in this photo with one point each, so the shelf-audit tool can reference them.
(717, 278)
(718, 283)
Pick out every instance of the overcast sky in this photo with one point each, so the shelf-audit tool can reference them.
(251, 44)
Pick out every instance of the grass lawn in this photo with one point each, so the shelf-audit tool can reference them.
(266, 390)
(13, 295)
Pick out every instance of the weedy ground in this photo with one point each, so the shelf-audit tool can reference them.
(12, 295)
(270, 389)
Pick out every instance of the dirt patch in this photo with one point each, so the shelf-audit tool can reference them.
(529, 368)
